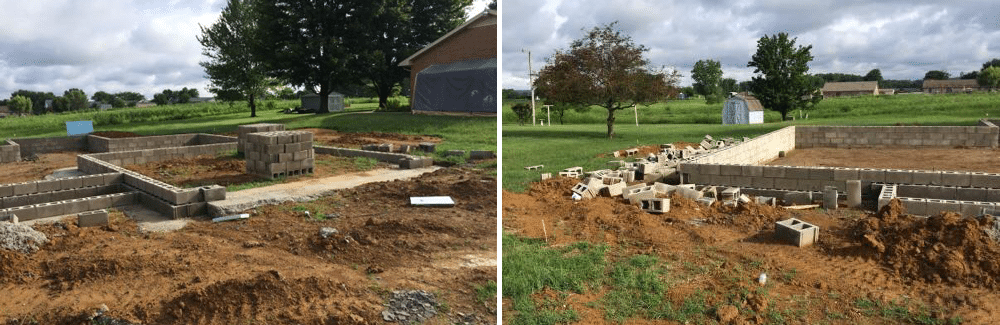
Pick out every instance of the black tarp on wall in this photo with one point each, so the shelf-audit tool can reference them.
(464, 86)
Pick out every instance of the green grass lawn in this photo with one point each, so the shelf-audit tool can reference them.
(578, 142)
(465, 133)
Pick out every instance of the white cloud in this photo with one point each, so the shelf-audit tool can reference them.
(904, 39)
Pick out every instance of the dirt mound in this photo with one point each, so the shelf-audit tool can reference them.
(750, 216)
(356, 140)
(945, 248)
(654, 149)
(241, 299)
(116, 134)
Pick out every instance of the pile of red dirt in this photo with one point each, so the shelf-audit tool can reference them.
(646, 150)
(116, 134)
(945, 248)
(750, 216)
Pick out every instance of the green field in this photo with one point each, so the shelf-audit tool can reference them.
(465, 133)
(582, 138)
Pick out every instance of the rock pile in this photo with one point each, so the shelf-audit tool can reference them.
(20, 238)
(410, 307)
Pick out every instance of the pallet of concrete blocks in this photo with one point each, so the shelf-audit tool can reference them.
(796, 232)
(280, 153)
(243, 130)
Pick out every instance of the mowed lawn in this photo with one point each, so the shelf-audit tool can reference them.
(459, 133)
(582, 138)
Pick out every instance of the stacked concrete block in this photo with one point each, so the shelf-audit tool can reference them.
(9, 151)
(31, 146)
(243, 131)
(896, 136)
(279, 153)
(796, 232)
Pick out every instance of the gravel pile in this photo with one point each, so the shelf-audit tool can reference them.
(410, 307)
(20, 238)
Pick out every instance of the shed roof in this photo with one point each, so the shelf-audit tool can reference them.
(951, 83)
(851, 86)
(488, 16)
(753, 104)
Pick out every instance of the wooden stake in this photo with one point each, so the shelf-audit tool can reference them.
(544, 232)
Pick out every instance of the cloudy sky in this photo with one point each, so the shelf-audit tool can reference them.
(903, 39)
(110, 45)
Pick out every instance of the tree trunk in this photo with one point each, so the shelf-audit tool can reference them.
(611, 123)
(383, 90)
(253, 106)
(324, 101)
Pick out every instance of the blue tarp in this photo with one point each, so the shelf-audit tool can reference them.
(79, 127)
(459, 87)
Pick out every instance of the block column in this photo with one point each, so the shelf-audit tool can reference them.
(279, 153)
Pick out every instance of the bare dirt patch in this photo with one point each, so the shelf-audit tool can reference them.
(971, 160)
(231, 170)
(273, 268)
(945, 264)
(23, 171)
(646, 150)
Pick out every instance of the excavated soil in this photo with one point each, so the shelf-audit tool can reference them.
(230, 170)
(25, 170)
(952, 159)
(273, 268)
(946, 263)
(944, 248)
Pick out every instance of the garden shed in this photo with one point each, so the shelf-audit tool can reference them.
(311, 101)
(742, 109)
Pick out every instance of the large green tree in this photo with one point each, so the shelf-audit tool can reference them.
(20, 104)
(937, 75)
(76, 100)
(874, 75)
(397, 29)
(781, 83)
(728, 85)
(229, 44)
(990, 77)
(314, 43)
(37, 98)
(604, 68)
(706, 75)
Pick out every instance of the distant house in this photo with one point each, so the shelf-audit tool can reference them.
(335, 100)
(853, 88)
(4, 111)
(201, 100)
(950, 86)
(742, 109)
(457, 73)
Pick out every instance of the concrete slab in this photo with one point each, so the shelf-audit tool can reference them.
(306, 190)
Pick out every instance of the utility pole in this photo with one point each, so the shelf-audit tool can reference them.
(531, 79)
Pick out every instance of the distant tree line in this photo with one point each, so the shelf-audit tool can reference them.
(73, 99)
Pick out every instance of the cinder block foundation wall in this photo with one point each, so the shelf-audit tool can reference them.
(204, 138)
(102, 144)
(9, 151)
(124, 158)
(387, 157)
(896, 136)
(29, 146)
(48, 198)
(756, 151)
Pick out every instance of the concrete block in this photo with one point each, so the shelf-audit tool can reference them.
(707, 201)
(766, 200)
(50, 209)
(960, 179)
(664, 188)
(731, 170)
(6, 190)
(710, 169)
(898, 176)
(16, 201)
(926, 177)
(993, 194)
(99, 202)
(796, 232)
(25, 188)
(24, 213)
(797, 172)
(797, 198)
(582, 191)
(843, 174)
(762, 182)
(872, 175)
(196, 209)
(481, 154)
(971, 194)
(821, 173)
(814, 185)
(655, 205)
(689, 193)
(426, 146)
(729, 194)
(122, 199)
(773, 171)
(830, 198)
(48, 186)
(76, 206)
(213, 193)
(613, 190)
(935, 206)
(753, 171)
(636, 195)
(720, 180)
(786, 184)
(915, 206)
(984, 180)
